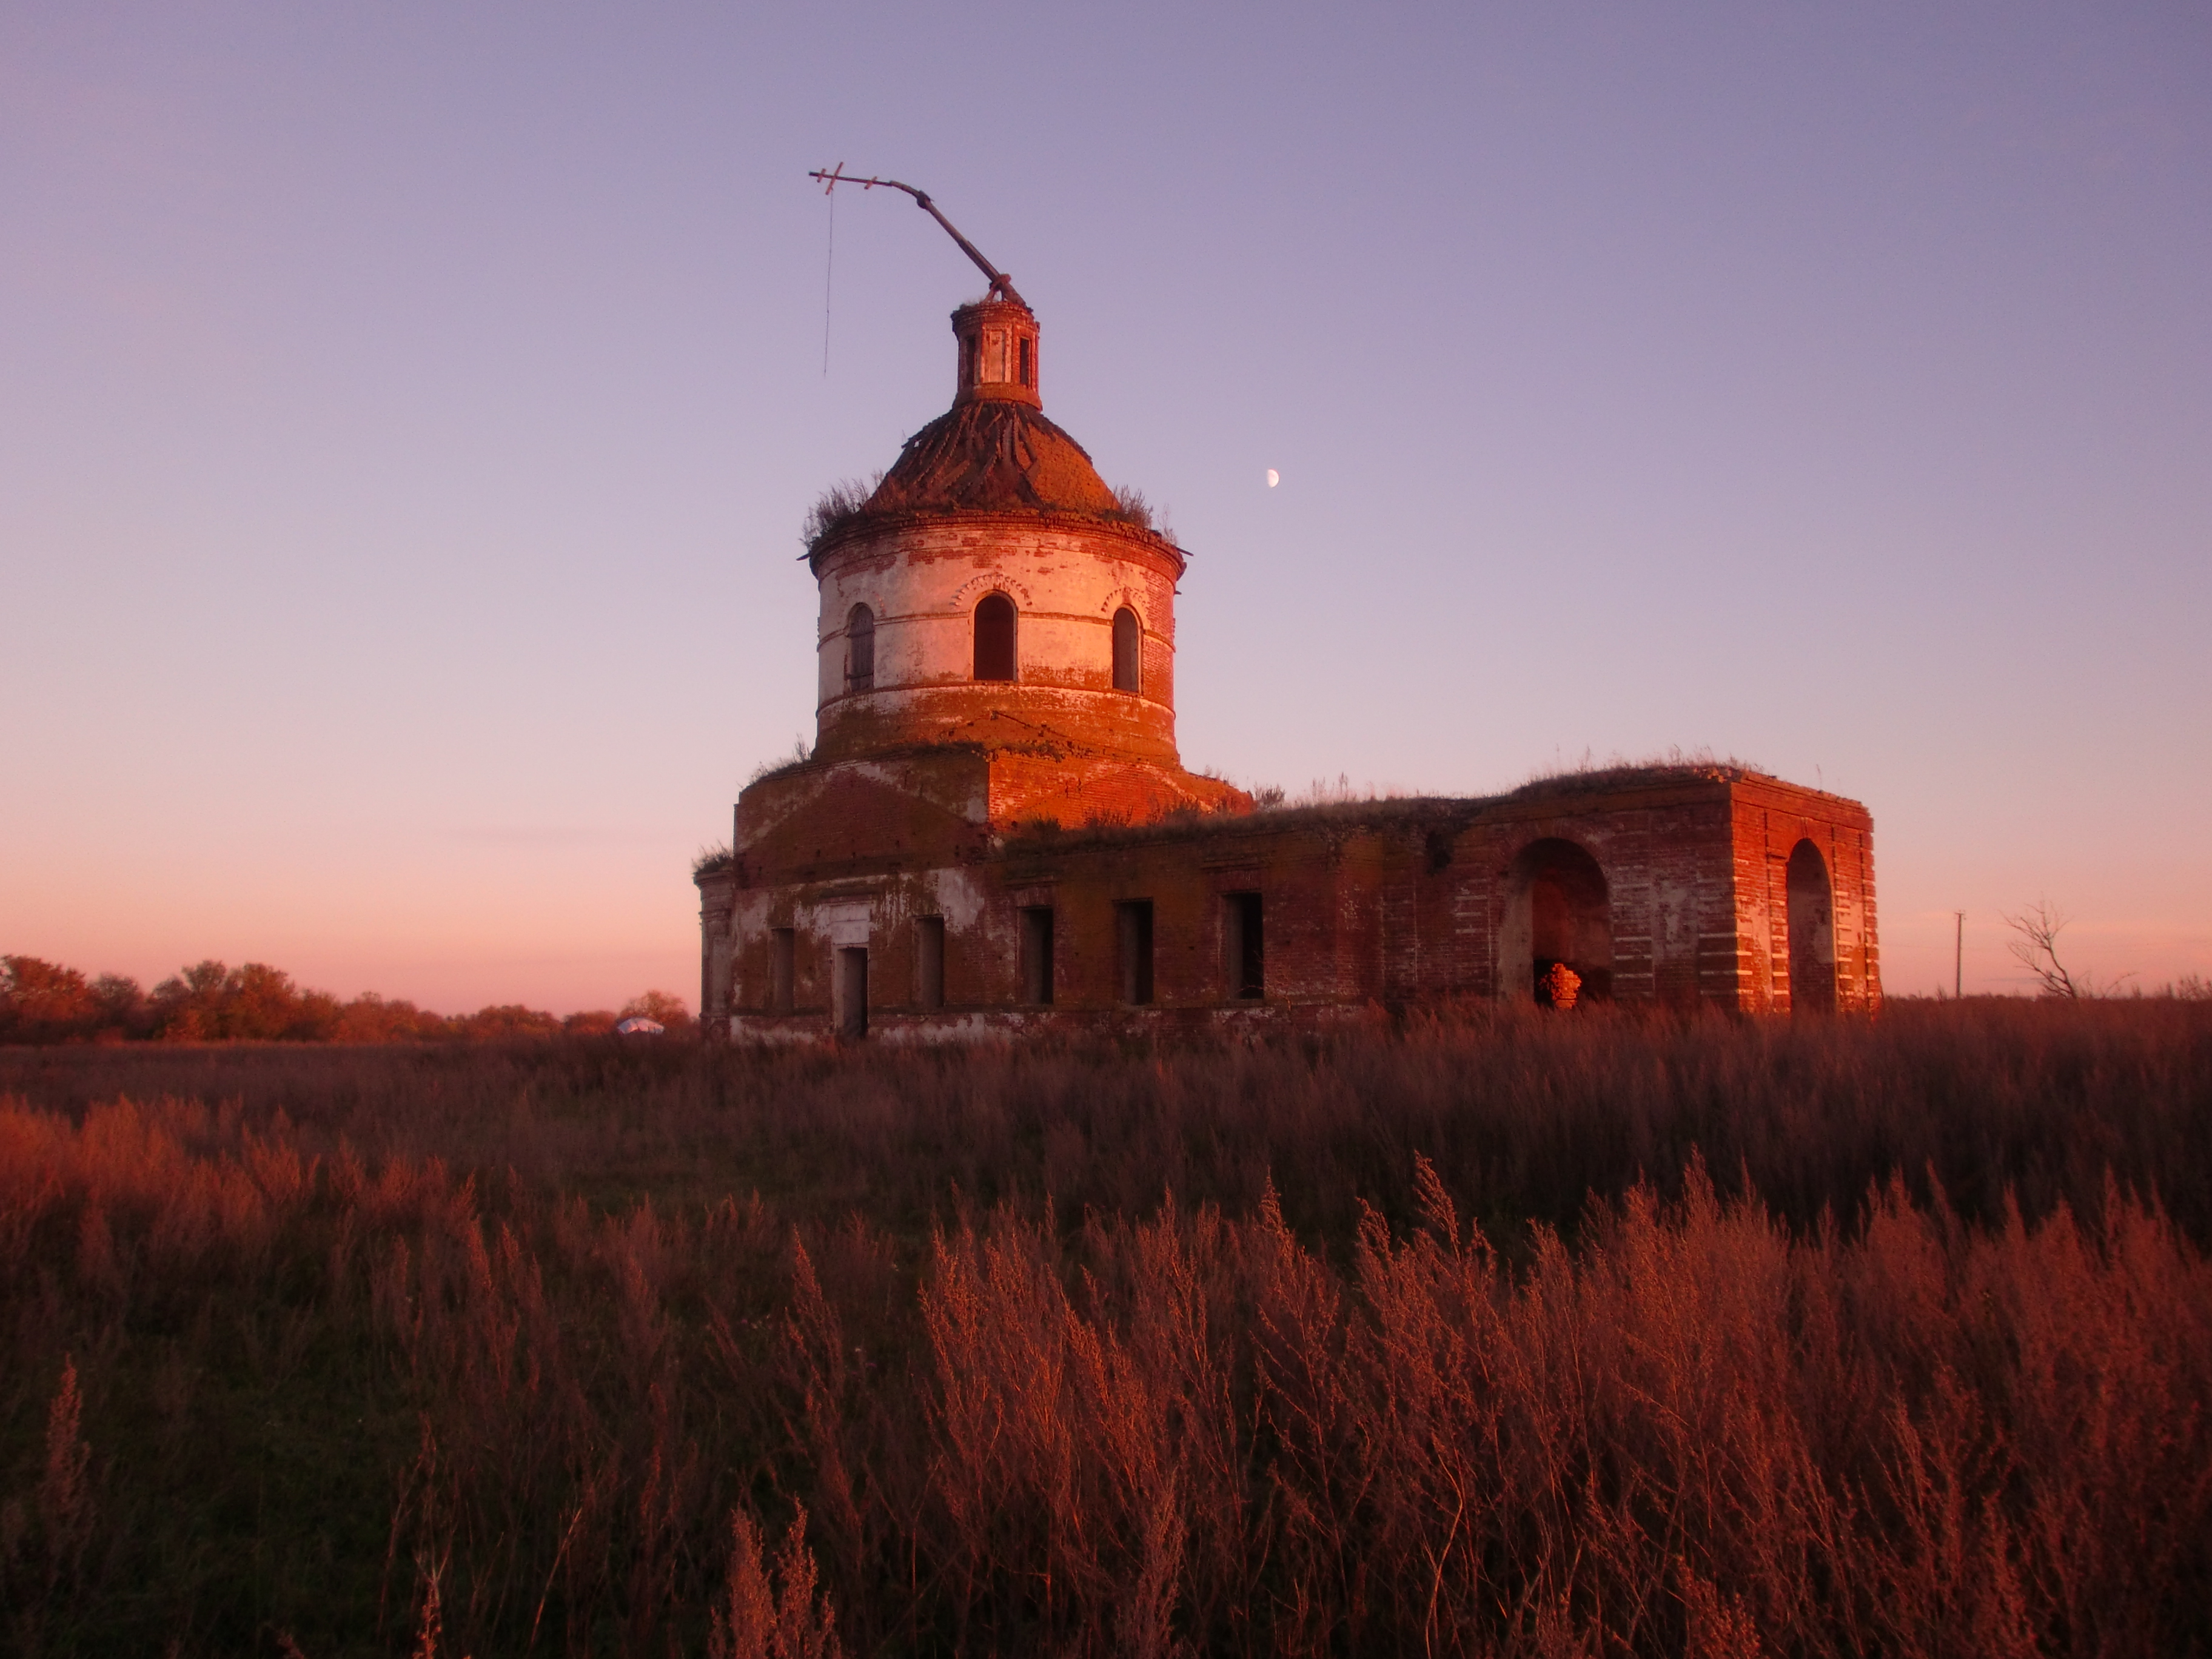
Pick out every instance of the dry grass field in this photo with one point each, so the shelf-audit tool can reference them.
(1577, 1334)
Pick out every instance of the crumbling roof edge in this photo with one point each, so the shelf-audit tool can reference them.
(862, 525)
(1533, 799)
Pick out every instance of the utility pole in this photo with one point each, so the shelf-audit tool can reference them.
(1958, 957)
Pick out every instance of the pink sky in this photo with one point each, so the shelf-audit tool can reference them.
(407, 414)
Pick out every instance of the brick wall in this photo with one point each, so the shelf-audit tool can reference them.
(1387, 904)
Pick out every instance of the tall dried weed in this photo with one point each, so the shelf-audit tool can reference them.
(1865, 1340)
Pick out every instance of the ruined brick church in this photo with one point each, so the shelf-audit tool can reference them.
(995, 832)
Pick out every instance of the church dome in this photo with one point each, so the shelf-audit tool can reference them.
(992, 454)
(994, 450)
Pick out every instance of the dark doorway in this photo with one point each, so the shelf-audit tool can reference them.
(994, 638)
(1036, 953)
(853, 991)
(1811, 932)
(1132, 929)
(1247, 942)
(1555, 944)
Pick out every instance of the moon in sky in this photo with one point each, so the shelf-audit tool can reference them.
(1273, 477)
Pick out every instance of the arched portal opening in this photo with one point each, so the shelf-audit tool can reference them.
(1129, 651)
(1555, 939)
(860, 649)
(994, 638)
(1811, 932)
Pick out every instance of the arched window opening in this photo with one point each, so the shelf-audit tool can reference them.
(860, 649)
(1811, 932)
(1556, 943)
(994, 638)
(1129, 651)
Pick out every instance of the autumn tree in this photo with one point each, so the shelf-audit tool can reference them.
(188, 1005)
(372, 1019)
(664, 1007)
(42, 1002)
(507, 1019)
(124, 1010)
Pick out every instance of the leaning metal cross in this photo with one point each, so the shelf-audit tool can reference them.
(1001, 284)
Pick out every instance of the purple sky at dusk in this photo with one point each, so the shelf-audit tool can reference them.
(407, 413)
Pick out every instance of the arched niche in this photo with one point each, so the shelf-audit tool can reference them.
(1811, 932)
(1557, 910)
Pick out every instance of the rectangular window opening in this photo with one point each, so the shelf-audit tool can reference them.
(1246, 941)
(782, 968)
(1133, 926)
(1037, 954)
(929, 963)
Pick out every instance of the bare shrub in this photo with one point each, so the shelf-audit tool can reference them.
(1131, 507)
(2036, 949)
(842, 503)
(801, 753)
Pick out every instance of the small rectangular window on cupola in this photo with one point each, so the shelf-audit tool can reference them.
(1029, 370)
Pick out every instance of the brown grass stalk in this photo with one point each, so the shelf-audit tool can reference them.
(1217, 1350)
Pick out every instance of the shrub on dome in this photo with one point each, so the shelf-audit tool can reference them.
(840, 505)
(1131, 507)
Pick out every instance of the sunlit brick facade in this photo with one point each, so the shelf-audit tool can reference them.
(995, 833)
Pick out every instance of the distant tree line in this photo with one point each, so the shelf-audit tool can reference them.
(208, 1002)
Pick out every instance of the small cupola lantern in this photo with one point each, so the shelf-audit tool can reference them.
(997, 352)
